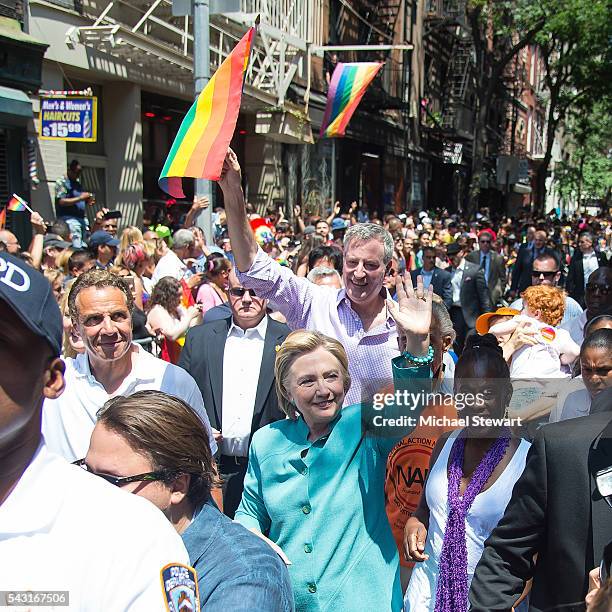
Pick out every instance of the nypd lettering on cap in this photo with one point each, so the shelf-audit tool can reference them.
(180, 584)
(13, 277)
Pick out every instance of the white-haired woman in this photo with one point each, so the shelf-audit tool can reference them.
(315, 482)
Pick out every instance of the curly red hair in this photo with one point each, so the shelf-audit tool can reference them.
(550, 301)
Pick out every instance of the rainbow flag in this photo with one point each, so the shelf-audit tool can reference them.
(2, 218)
(201, 143)
(348, 84)
(16, 204)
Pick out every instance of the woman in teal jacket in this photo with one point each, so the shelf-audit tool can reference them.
(315, 481)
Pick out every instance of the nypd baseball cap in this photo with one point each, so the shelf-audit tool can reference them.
(30, 295)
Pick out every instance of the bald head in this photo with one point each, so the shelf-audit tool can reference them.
(12, 244)
(539, 239)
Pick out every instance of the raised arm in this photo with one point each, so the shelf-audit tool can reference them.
(241, 236)
(411, 370)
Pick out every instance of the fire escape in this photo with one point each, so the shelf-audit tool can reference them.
(374, 23)
(449, 84)
(515, 112)
(147, 36)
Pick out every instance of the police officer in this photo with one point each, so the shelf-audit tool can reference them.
(67, 537)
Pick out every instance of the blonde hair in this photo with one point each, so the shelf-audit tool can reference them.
(296, 344)
(67, 349)
(61, 261)
(53, 275)
(130, 235)
(550, 301)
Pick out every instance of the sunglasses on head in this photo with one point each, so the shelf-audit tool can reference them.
(545, 274)
(240, 291)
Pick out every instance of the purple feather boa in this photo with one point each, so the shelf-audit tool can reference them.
(452, 588)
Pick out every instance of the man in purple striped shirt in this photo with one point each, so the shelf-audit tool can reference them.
(355, 315)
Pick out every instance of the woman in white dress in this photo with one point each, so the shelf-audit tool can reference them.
(471, 477)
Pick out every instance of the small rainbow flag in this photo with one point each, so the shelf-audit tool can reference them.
(2, 218)
(16, 204)
(347, 86)
(201, 143)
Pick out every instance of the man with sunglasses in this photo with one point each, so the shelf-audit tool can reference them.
(61, 529)
(232, 362)
(598, 298)
(492, 264)
(546, 271)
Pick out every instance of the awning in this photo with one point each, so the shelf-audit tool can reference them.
(15, 102)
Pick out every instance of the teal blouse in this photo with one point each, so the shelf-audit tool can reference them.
(323, 503)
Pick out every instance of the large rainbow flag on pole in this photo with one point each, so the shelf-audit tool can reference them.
(348, 84)
(201, 143)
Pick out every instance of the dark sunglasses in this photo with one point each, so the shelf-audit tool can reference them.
(595, 288)
(240, 291)
(118, 481)
(548, 274)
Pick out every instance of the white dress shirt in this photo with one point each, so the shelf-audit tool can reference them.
(456, 282)
(169, 265)
(68, 421)
(590, 263)
(241, 366)
(63, 529)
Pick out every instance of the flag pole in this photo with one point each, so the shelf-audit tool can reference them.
(25, 204)
(201, 76)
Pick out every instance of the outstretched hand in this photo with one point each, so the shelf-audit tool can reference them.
(412, 313)
(230, 173)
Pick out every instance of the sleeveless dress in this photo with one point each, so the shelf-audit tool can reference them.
(482, 518)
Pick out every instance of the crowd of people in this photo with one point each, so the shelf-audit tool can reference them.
(239, 387)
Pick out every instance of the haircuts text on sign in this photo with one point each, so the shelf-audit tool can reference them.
(74, 119)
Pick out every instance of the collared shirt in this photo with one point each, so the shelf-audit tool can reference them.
(62, 529)
(68, 421)
(323, 502)
(169, 265)
(310, 306)
(575, 327)
(457, 278)
(572, 309)
(427, 276)
(236, 569)
(241, 365)
(590, 263)
(485, 263)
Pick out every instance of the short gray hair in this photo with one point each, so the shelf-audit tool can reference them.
(320, 272)
(364, 232)
(182, 238)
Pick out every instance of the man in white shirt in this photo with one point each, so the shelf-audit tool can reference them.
(470, 294)
(100, 307)
(584, 262)
(172, 262)
(62, 530)
(232, 361)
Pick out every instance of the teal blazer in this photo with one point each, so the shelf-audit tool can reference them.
(323, 503)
